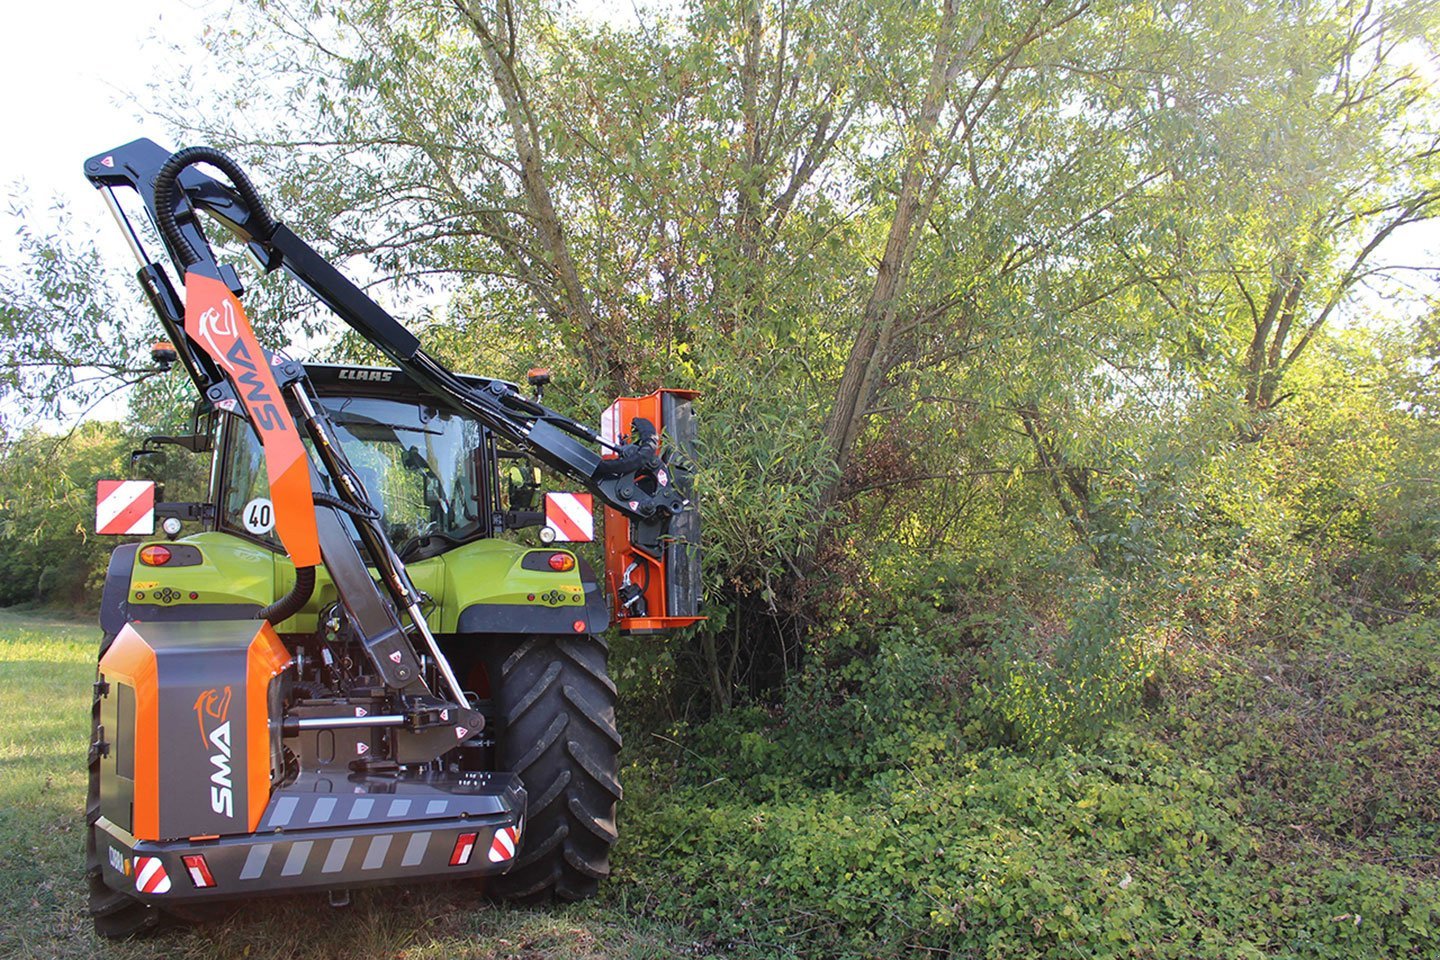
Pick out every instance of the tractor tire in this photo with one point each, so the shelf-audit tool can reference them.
(556, 706)
(116, 916)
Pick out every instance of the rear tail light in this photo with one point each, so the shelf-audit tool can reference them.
(562, 562)
(155, 555)
(464, 846)
(199, 872)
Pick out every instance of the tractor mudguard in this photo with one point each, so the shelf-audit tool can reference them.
(210, 576)
(593, 617)
(494, 586)
(115, 597)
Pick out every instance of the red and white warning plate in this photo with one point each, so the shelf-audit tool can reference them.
(502, 848)
(150, 876)
(125, 507)
(570, 517)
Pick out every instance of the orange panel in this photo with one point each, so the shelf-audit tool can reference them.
(132, 660)
(215, 320)
(620, 553)
(267, 657)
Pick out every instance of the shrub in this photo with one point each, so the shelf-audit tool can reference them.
(1128, 851)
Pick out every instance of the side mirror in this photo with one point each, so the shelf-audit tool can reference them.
(194, 442)
(137, 455)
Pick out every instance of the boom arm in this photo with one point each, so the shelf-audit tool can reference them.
(173, 190)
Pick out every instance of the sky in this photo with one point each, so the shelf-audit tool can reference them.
(75, 75)
(72, 72)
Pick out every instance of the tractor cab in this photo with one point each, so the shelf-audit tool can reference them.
(445, 490)
(433, 474)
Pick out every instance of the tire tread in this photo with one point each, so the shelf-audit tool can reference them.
(556, 705)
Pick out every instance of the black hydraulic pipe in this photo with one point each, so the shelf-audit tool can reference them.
(290, 604)
(166, 197)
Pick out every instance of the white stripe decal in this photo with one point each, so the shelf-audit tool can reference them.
(335, 859)
(255, 861)
(502, 848)
(323, 808)
(415, 849)
(570, 517)
(375, 856)
(112, 498)
(299, 855)
(149, 867)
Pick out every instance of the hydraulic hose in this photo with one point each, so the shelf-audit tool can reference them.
(290, 604)
(325, 499)
(166, 195)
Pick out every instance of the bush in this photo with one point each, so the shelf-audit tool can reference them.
(1128, 851)
(1067, 683)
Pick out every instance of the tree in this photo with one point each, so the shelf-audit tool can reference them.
(985, 254)
(72, 340)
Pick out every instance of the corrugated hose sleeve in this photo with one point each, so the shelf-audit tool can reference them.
(290, 604)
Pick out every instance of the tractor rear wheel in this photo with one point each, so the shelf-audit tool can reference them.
(116, 916)
(556, 705)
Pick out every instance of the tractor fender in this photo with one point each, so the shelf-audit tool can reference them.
(533, 618)
(115, 596)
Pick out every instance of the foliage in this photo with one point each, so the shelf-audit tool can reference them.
(71, 339)
(47, 483)
(1068, 432)
(51, 553)
(1331, 736)
(806, 833)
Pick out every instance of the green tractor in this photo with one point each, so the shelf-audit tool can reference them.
(343, 668)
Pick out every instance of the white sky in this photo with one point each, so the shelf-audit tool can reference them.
(72, 70)
(75, 74)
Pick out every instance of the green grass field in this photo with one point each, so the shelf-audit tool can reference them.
(46, 667)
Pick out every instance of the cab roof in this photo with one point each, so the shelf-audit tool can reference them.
(333, 379)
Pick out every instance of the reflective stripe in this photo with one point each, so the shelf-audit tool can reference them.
(323, 808)
(299, 853)
(125, 507)
(570, 517)
(339, 853)
(415, 850)
(434, 807)
(255, 861)
(361, 810)
(150, 876)
(398, 808)
(375, 856)
(502, 847)
(284, 810)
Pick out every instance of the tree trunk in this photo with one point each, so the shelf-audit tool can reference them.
(1068, 484)
(868, 353)
(498, 44)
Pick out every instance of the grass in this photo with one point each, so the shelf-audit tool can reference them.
(46, 668)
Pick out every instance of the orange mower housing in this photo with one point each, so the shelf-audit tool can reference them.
(653, 589)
